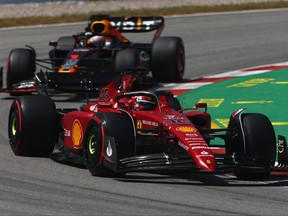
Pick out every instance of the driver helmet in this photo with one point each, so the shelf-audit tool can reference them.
(96, 41)
(102, 26)
(143, 103)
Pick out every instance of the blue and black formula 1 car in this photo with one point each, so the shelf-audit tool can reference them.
(100, 53)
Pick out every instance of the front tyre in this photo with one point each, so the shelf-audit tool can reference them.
(32, 126)
(260, 145)
(112, 126)
(21, 66)
(93, 151)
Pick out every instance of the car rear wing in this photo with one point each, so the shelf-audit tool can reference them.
(132, 24)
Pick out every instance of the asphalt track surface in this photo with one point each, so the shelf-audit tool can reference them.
(214, 44)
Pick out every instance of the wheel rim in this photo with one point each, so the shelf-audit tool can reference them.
(92, 148)
(13, 126)
(13, 129)
(92, 145)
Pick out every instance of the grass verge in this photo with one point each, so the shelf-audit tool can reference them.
(9, 22)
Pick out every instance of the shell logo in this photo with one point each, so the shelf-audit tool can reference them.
(77, 134)
(186, 129)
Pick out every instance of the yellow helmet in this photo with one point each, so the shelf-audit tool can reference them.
(100, 26)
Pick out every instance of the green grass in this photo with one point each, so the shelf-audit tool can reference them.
(8, 22)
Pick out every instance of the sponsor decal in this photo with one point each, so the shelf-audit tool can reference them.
(139, 124)
(174, 117)
(94, 108)
(182, 145)
(109, 150)
(191, 143)
(185, 129)
(169, 117)
(176, 121)
(191, 135)
(81, 50)
(69, 64)
(26, 84)
(144, 56)
(77, 134)
(150, 123)
(281, 146)
(130, 25)
(199, 147)
(67, 133)
(194, 138)
(204, 153)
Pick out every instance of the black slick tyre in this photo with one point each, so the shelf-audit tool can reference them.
(32, 126)
(124, 59)
(21, 66)
(114, 125)
(168, 59)
(260, 144)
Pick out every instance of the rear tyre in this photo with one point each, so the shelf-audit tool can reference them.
(21, 66)
(124, 59)
(168, 59)
(260, 145)
(117, 126)
(32, 126)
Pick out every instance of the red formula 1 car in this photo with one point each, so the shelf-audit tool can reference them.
(128, 130)
(101, 53)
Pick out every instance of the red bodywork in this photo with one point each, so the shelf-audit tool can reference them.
(177, 124)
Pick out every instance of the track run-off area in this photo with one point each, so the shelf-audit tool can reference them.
(258, 89)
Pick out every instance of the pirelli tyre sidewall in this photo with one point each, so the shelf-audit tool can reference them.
(168, 59)
(20, 66)
(114, 125)
(32, 126)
